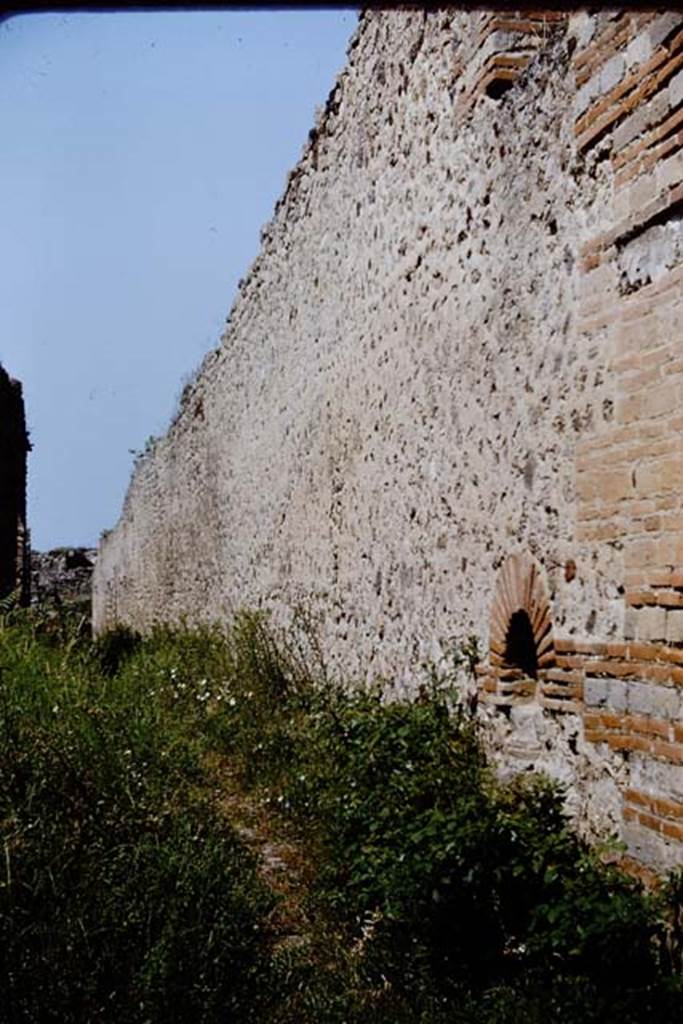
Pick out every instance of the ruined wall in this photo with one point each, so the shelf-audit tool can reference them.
(448, 398)
(62, 576)
(14, 445)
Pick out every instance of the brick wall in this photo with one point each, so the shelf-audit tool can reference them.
(628, 690)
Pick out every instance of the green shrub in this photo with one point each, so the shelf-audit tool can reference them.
(124, 896)
(114, 647)
(434, 893)
(472, 886)
(459, 891)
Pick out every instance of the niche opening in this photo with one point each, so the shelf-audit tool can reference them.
(497, 87)
(520, 644)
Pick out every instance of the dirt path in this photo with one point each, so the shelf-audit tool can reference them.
(283, 864)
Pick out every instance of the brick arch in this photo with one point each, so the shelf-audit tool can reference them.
(520, 614)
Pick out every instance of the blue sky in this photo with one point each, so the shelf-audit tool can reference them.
(142, 153)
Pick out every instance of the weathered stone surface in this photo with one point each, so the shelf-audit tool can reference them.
(455, 368)
(401, 353)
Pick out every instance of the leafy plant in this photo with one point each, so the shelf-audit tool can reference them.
(125, 896)
(432, 893)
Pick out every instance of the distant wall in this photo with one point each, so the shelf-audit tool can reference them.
(448, 399)
(62, 576)
(14, 445)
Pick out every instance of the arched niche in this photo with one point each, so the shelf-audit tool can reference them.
(521, 638)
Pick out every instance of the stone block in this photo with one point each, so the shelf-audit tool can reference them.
(663, 26)
(651, 623)
(674, 626)
(595, 692)
(666, 780)
(640, 698)
(642, 844)
(617, 695)
(638, 50)
(612, 73)
(631, 623)
(630, 128)
(650, 699)
(660, 474)
(676, 90)
(670, 172)
(585, 96)
(666, 703)
(582, 27)
(658, 401)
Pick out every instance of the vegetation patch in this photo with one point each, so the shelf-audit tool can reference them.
(197, 826)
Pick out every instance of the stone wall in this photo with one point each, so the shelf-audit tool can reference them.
(14, 445)
(62, 576)
(448, 399)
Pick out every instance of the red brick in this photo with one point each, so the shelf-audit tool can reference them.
(640, 552)
(672, 830)
(649, 821)
(669, 751)
(637, 743)
(663, 474)
(612, 721)
(667, 808)
(574, 646)
(571, 661)
(649, 726)
(636, 797)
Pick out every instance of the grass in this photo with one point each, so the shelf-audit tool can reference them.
(198, 827)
